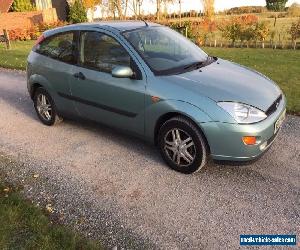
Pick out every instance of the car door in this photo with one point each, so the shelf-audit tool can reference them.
(118, 102)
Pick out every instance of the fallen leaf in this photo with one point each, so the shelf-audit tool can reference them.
(36, 176)
(49, 208)
(6, 190)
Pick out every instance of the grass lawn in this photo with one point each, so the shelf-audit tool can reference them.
(24, 226)
(283, 66)
(15, 58)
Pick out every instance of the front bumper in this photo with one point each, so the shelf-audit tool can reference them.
(225, 139)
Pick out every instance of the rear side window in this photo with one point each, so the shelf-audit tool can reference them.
(60, 47)
(101, 52)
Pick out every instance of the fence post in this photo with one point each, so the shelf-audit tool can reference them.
(7, 40)
(294, 44)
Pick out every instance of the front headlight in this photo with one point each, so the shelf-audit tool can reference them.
(243, 113)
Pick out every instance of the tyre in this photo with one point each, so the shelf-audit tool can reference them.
(182, 145)
(45, 107)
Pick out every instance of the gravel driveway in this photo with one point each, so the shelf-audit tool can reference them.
(117, 189)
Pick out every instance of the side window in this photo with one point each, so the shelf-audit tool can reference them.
(102, 52)
(60, 47)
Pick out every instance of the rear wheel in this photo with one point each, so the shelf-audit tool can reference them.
(182, 145)
(45, 107)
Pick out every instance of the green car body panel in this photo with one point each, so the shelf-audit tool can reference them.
(127, 104)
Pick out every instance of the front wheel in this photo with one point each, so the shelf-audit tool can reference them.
(45, 107)
(182, 145)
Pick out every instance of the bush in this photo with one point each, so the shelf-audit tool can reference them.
(294, 10)
(77, 12)
(203, 30)
(24, 34)
(277, 15)
(47, 26)
(181, 29)
(19, 34)
(22, 5)
(246, 10)
(241, 28)
(34, 32)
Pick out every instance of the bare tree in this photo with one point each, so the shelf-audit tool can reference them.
(180, 11)
(208, 7)
(126, 8)
(136, 8)
(158, 9)
(159, 5)
(116, 6)
(119, 8)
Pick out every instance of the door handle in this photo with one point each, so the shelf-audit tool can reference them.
(79, 75)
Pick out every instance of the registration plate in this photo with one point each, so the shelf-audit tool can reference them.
(279, 122)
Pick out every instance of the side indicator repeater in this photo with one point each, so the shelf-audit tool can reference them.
(155, 99)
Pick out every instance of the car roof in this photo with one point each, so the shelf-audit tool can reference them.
(125, 25)
(119, 26)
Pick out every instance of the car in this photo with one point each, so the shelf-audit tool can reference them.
(150, 81)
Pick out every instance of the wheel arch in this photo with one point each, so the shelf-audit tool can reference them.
(33, 88)
(35, 81)
(167, 116)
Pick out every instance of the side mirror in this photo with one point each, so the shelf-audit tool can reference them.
(122, 72)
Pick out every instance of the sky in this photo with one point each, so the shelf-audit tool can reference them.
(219, 4)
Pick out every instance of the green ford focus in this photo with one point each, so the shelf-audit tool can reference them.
(150, 81)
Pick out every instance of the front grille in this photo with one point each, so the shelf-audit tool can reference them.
(274, 106)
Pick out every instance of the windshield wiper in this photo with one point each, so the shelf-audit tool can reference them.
(200, 64)
(195, 65)
(211, 59)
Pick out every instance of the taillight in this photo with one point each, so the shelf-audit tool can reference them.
(39, 40)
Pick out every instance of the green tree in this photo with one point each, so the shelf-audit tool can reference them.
(77, 12)
(276, 5)
(22, 6)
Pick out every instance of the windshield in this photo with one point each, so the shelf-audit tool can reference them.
(164, 50)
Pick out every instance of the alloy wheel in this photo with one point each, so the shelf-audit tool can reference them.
(180, 147)
(44, 107)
